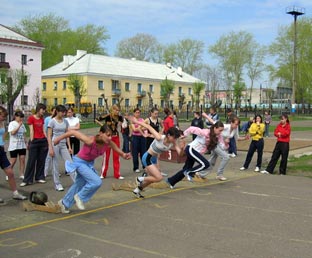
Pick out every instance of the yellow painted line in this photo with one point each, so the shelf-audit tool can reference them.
(66, 217)
(112, 242)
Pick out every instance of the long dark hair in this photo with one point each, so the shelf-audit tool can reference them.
(59, 108)
(175, 132)
(213, 137)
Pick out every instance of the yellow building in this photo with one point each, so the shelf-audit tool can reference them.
(115, 79)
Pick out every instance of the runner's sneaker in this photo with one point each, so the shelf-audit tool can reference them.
(242, 168)
(168, 183)
(264, 172)
(138, 194)
(138, 182)
(79, 202)
(187, 175)
(221, 178)
(63, 208)
(18, 196)
(257, 169)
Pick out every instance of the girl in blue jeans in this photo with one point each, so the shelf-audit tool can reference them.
(87, 180)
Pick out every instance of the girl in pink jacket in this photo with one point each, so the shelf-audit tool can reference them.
(207, 139)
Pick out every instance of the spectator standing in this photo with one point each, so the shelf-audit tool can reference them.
(57, 126)
(168, 120)
(38, 148)
(256, 132)
(232, 144)
(113, 120)
(175, 120)
(73, 124)
(48, 161)
(4, 162)
(214, 117)
(282, 133)
(197, 122)
(17, 144)
(138, 140)
(125, 131)
(267, 122)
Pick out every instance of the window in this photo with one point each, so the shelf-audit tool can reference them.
(24, 60)
(114, 101)
(115, 85)
(55, 101)
(100, 85)
(44, 86)
(2, 57)
(127, 86)
(139, 102)
(100, 102)
(189, 91)
(151, 88)
(139, 87)
(162, 103)
(127, 102)
(55, 85)
(180, 91)
(64, 85)
(25, 100)
(44, 101)
(64, 101)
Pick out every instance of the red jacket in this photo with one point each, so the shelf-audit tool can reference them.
(168, 123)
(285, 132)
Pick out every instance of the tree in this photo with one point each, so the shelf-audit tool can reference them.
(233, 52)
(12, 82)
(197, 89)
(238, 89)
(76, 85)
(166, 89)
(255, 66)
(187, 54)
(282, 50)
(141, 47)
(58, 39)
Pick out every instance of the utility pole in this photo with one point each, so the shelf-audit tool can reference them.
(24, 62)
(295, 12)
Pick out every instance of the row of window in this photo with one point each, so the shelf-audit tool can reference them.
(115, 86)
(23, 58)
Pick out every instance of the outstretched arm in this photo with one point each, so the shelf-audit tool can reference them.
(145, 125)
(119, 151)
(82, 137)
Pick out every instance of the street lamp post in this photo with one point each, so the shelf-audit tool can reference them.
(23, 81)
(294, 11)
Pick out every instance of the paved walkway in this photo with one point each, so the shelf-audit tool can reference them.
(250, 215)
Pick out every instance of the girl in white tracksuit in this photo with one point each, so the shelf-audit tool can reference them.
(207, 139)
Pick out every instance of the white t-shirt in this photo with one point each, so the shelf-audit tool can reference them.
(17, 141)
(226, 133)
(72, 122)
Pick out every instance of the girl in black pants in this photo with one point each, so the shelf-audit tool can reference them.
(282, 132)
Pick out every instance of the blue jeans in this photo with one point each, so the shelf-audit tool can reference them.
(87, 181)
(232, 146)
(266, 132)
(125, 143)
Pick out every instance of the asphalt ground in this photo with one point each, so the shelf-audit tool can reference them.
(250, 215)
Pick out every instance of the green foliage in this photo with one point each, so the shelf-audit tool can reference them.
(198, 87)
(76, 85)
(142, 47)
(58, 39)
(166, 89)
(234, 51)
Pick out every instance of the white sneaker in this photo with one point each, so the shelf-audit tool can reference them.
(137, 171)
(232, 155)
(242, 168)
(63, 208)
(257, 169)
(23, 184)
(1, 201)
(18, 196)
(59, 188)
(79, 202)
(121, 178)
(163, 174)
(102, 177)
(21, 177)
(264, 172)
(221, 178)
(6, 178)
(41, 181)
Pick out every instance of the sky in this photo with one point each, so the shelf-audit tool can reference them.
(168, 21)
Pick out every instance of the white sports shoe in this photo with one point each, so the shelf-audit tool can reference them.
(79, 202)
(63, 208)
(264, 172)
(221, 178)
(232, 155)
(242, 168)
(18, 196)
(257, 169)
